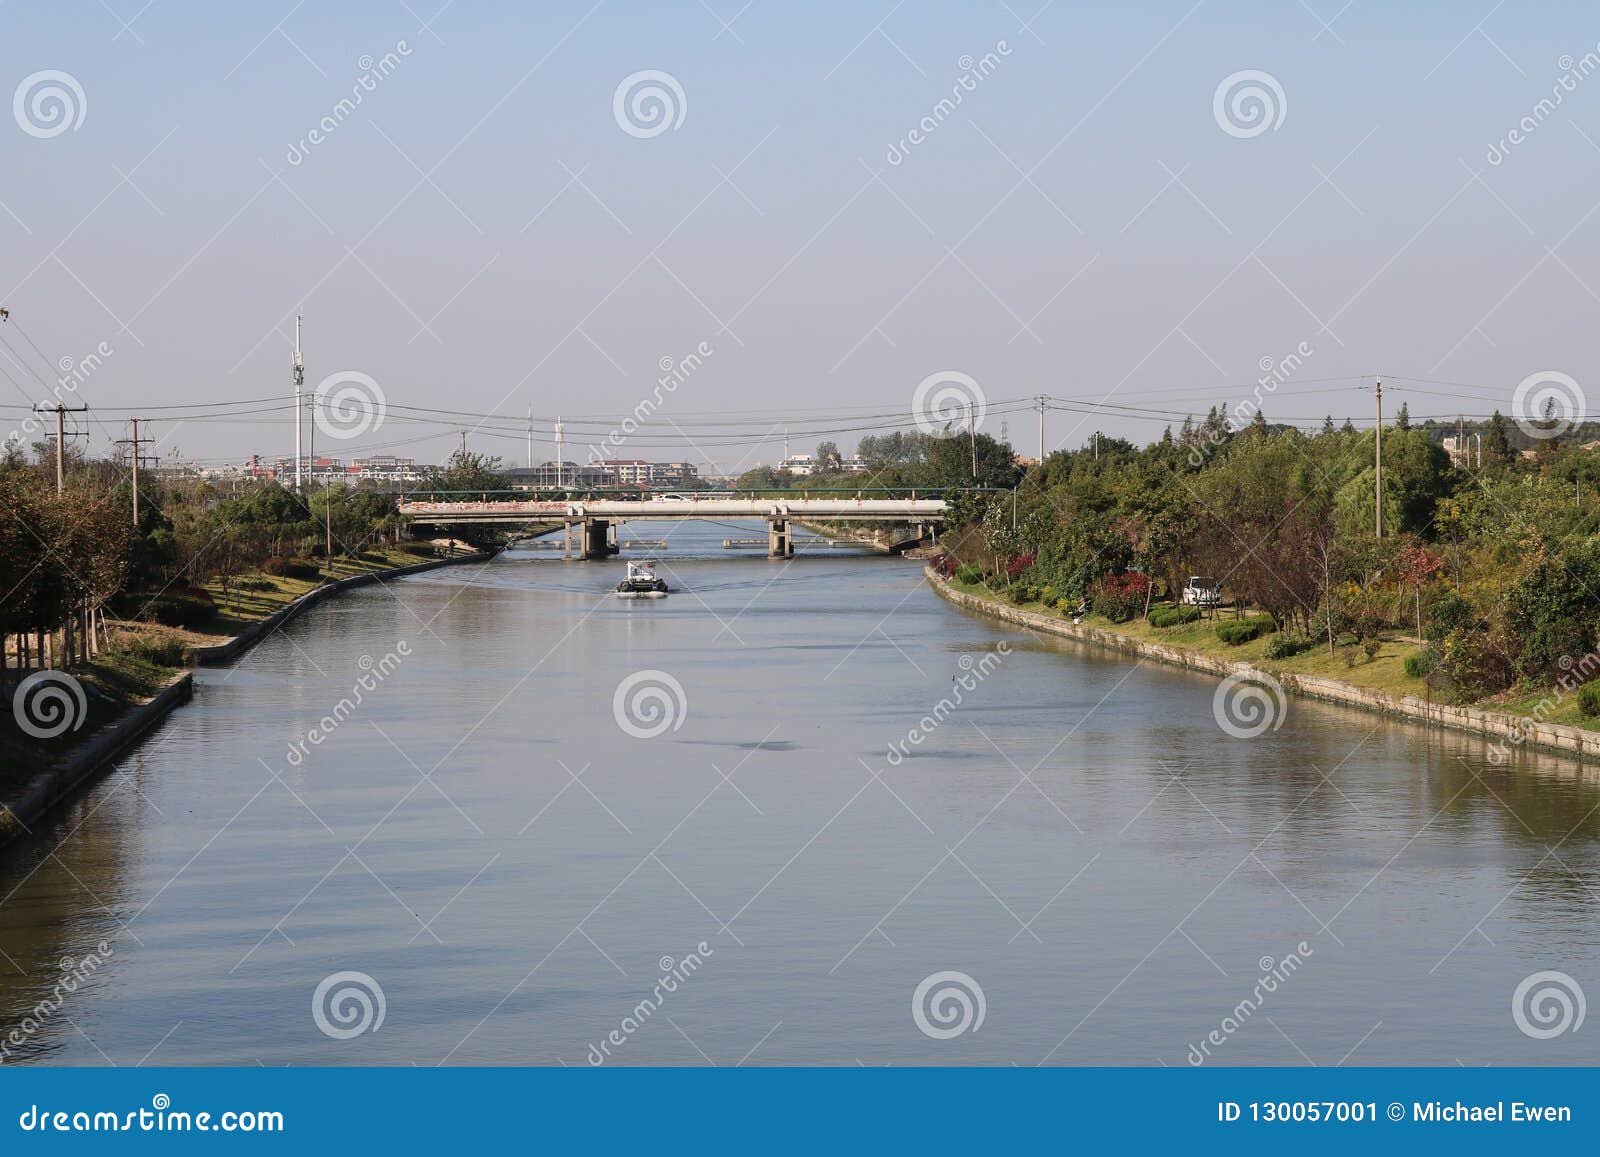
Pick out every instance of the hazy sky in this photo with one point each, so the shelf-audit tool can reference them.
(483, 233)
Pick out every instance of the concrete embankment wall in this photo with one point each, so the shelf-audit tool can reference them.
(1511, 730)
(50, 788)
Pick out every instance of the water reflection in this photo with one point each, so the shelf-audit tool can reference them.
(1077, 835)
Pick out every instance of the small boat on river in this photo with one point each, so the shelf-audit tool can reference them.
(642, 582)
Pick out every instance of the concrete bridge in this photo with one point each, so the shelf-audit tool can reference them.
(597, 519)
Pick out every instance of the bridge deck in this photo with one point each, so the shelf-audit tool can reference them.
(869, 509)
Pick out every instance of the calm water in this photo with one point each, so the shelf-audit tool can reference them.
(1079, 837)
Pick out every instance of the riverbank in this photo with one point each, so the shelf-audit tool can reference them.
(1383, 686)
(126, 693)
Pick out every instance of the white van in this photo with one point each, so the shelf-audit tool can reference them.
(1202, 591)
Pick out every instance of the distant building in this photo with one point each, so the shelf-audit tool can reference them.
(798, 464)
(854, 465)
(550, 475)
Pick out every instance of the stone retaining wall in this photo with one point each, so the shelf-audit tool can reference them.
(1512, 730)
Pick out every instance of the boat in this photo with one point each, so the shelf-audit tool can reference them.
(642, 582)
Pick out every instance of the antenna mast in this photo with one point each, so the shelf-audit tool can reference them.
(299, 369)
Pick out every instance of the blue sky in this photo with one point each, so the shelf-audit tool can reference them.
(481, 234)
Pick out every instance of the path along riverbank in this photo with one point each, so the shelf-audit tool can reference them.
(96, 752)
(1505, 731)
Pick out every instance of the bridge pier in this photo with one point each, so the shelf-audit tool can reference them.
(597, 538)
(780, 538)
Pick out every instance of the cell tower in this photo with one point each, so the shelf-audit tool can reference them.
(299, 381)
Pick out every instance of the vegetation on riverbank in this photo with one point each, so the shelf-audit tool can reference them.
(1484, 587)
(96, 612)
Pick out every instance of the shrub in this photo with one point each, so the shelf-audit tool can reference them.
(179, 610)
(969, 575)
(420, 549)
(161, 650)
(255, 584)
(1287, 646)
(1589, 699)
(1023, 593)
(1444, 610)
(1371, 647)
(295, 568)
(1119, 597)
(1018, 565)
(1422, 663)
(1238, 631)
(1174, 616)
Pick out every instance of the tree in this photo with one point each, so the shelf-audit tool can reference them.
(1402, 418)
(827, 456)
(466, 471)
(1497, 443)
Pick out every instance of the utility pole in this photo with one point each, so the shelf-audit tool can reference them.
(463, 446)
(1461, 441)
(559, 451)
(1041, 429)
(299, 375)
(134, 443)
(530, 437)
(972, 436)
(61, 412)
(1377, 463)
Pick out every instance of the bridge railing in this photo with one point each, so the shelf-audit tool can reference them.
(629, 494)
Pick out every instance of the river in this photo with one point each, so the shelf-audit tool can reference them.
(518, 860)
